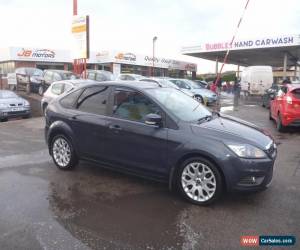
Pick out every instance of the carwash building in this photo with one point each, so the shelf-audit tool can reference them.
(280, 52)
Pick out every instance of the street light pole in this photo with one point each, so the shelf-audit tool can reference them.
(153, 43)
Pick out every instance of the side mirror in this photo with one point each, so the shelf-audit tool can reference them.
(153, 120)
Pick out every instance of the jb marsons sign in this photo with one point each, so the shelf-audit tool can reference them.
(268, 42)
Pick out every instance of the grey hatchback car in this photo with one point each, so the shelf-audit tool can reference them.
(159, 133)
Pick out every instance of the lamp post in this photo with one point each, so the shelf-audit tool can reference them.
(153, 43)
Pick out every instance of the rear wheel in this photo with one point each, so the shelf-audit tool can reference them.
(63, 153)
(270, 115)
(280, 126)
(199, 181)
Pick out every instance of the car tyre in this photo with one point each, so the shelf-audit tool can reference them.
(270, 115)
(199, 99)
(44, 108)
(199, 181)
(63, 153)
(279, 125)
(41, 90)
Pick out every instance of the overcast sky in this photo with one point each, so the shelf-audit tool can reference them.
(129, 25)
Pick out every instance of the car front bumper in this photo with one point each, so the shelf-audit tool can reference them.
(11, 113)
(248, 174)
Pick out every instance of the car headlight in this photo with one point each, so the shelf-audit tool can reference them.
(3, 105)
(26, 103)
(247, 151)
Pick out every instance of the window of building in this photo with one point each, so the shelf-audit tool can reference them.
(93, 100)
(132, 105)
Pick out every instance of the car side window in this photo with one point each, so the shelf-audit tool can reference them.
(91, 76)
(69, 100)
(130, 78)
(93, 100)
(56, 77)
(67, 87)
(57, 88)
(100, 77)
(132, 105)
(123, 77)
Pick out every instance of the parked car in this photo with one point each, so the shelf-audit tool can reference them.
(58, 88)
(129, 77)
(12, 105)
(201, 94)
(99, 75)
(159, 133)
(285, 107)
(204, 84)
(29, 79)
(269, 95)
(51, 76)
(167, 83)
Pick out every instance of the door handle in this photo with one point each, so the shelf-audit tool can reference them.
(115, 127)
(73, 117)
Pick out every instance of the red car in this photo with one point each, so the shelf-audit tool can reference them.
(285, 107)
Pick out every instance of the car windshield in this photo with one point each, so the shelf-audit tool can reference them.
(179, 104)
(7, 94)
(195, 85)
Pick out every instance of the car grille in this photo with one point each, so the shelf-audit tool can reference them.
(15, 105)
(16, 112)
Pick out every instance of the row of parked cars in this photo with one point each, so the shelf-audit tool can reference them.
(283, 102)
(191, 88)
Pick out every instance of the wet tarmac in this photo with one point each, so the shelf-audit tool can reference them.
(42, 207)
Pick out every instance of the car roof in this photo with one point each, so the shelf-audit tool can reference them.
(78, 81)
(132, 84)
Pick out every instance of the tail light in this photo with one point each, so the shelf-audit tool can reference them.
(289, 100)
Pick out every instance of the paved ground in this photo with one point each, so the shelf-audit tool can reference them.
(90, 208)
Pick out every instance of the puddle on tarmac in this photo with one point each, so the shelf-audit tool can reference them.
(117, 211)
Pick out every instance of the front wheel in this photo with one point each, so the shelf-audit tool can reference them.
(199, 181)
(199, 98)
(63, 153)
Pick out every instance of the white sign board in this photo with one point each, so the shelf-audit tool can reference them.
(256, 43)
(80, 32)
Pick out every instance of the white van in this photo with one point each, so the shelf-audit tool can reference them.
(256, 79)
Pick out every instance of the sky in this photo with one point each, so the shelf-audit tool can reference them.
(130, 25)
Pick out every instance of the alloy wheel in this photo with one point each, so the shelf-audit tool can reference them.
(198, 181)
(61, 152)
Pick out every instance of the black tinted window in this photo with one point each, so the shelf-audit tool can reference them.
(69, 100)
(132, 105)
(93, 100)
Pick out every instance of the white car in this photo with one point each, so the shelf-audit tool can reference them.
(165, 82)
(60, 87)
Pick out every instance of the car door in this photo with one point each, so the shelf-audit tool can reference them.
(89, 121)
(130, 142)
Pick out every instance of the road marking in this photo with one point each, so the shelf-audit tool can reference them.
(25, 159)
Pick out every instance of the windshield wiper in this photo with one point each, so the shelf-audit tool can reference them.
(206, 118)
